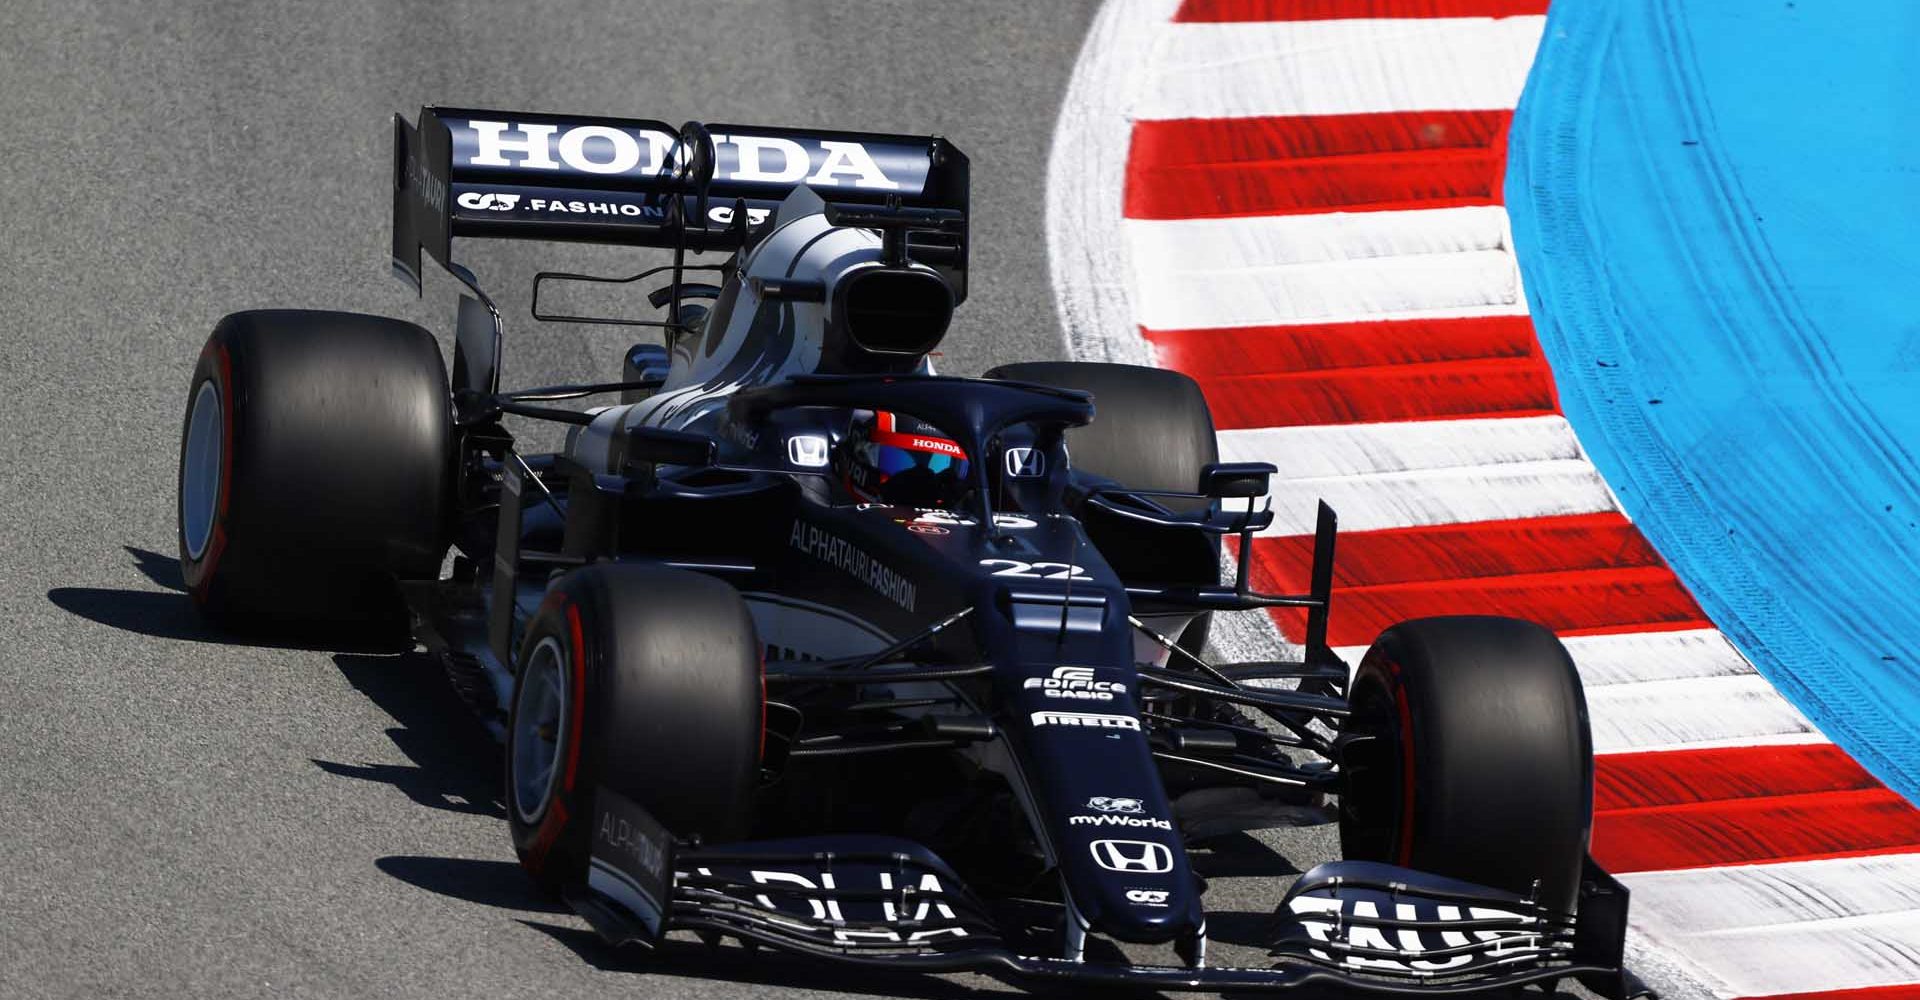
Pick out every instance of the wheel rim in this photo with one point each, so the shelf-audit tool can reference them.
(200, 469)
(539, 730)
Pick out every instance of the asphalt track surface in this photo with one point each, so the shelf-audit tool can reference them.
(192, 817)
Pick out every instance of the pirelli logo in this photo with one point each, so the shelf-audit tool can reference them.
(1090, 720)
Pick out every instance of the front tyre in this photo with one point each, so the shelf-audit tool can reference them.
(642, 679)
(1468, 754)
(315, 463)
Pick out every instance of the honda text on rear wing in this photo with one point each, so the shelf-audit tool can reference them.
(635, 182)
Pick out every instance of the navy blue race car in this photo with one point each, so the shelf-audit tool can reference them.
(803, 644)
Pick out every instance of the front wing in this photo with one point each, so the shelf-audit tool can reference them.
(887, 902)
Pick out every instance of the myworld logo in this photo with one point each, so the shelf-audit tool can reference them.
(1147, 822)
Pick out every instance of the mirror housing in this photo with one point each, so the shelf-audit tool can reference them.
(1236, 480)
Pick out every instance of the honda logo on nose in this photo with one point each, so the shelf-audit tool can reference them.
(1026, 463)
(1141, 856)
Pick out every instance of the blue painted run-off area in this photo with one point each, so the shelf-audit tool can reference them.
(1717, 208)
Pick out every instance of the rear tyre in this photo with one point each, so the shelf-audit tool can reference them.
(1468, 755)
(1151, 427)
(1151, 430)
(642, 679)
(315, 467)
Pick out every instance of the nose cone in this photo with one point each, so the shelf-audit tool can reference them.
(1099, 795)
(1065, 687)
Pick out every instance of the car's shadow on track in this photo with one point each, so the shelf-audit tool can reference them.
(1238, 855)
(163, 615)
(169, 613)
(487, 883)
(159, 567)
(693, 960)
(454, 764)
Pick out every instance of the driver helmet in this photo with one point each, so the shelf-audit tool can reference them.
(894, 459)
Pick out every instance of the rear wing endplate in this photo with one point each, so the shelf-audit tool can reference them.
(636, 182)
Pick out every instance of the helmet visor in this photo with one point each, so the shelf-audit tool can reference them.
(892, 460)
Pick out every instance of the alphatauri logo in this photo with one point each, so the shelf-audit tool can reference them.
(497, 201)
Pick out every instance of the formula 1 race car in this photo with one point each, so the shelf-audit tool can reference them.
(805, 645)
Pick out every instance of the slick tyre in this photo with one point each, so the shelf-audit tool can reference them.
(642, 679)
(1468, 755)
(315, 467)
(1151, 430)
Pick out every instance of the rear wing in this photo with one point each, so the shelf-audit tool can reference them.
(635, 182)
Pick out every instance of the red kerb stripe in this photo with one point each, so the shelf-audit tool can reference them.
(1756, 830)
(1340, 373)
(1592, 602)
(1598, 576)
(1499, 387)
(1208, 167)
(1264, 350)
(1331, 10)
(1742, 805)
(1466, 551)
(1904, 991)
(1626, 781)
(1192, 142)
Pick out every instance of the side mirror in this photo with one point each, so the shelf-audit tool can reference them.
(659, 446)
(1223, 480)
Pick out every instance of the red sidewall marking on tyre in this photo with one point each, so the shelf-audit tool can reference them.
(556, 817)
(548, 833)
(577, 708)
(1404, 850)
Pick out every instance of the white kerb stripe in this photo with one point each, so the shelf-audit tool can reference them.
(1423, 472)
(1606, 660)
(1609, 660)
(1694, 713)
(1266, 240)
(1470, 283)
(1799, 926)
(1691, 711)
(1441, 496)
(1324, 450)
(1340, 67)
